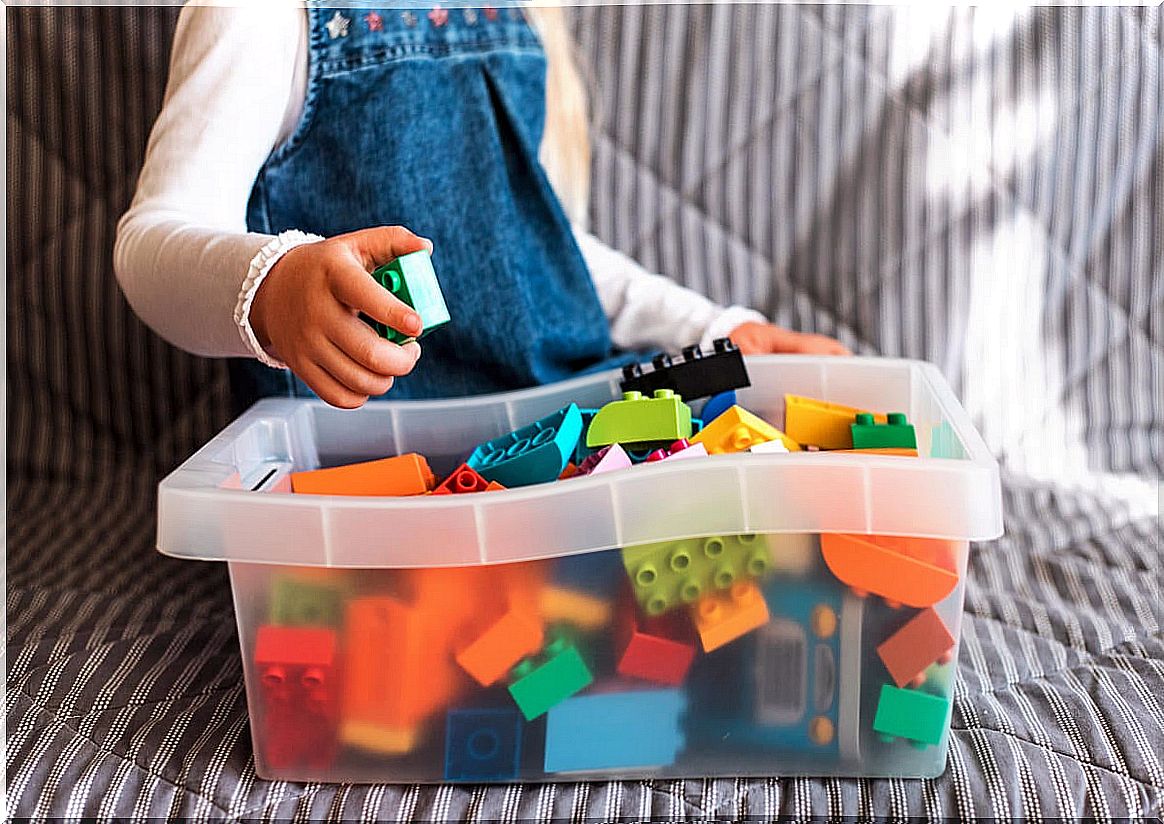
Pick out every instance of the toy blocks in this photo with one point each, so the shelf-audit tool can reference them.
(923, 640)
(559, 605)
(463, 480)
(654, 649)
(819, 423)
(639, 419)
(606, 459)
(681, 450)
(402, 475)
(296, 602)
(538, 686)
(299, 695)
(482, 745)
(399, 672)
(615, 730)
(412, 279)
(772, 447)
(895, 433)
(716, 405)
(912, 715)
(736, 430)
(511, 638)
(672, 573)
(695, 374)
(917, 572)
(723, 617)
(533, 454)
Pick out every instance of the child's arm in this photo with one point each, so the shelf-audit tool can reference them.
(183, 255)
(647, 310)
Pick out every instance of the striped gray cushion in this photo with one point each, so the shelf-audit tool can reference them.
(824, 169)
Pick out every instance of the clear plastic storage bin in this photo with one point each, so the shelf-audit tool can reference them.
(378, 634)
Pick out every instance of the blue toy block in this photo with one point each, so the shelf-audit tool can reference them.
(582, 451)
(533, 454)
(717, 404)
(615, 730)
(595, 573)
(482, 745)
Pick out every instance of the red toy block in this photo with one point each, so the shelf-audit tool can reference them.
(923, 640)
(299, 695)
(463, 479)
(402, 475)
(658, 649)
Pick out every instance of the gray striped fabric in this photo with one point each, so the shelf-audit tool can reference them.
(979, 189)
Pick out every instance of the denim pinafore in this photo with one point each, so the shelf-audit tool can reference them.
(431, 118)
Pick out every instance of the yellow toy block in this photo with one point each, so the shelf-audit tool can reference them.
(736, 430)
(375, 738)
(819, 423)
(584, 611)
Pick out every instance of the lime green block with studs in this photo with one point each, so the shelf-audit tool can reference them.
(412, 279)
(911, 714)
(675, 573)
(305, 603)
(639, 419)
(561, 673)
(897, 432)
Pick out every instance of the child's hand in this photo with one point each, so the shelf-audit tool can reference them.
(766, 339)
(306, 313)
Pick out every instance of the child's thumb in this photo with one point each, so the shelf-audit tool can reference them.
(381, 244)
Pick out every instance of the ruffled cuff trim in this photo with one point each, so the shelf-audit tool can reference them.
(261, 264)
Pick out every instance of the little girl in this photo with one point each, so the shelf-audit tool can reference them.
(299, 149)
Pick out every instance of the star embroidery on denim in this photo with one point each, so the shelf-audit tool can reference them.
(438, 16)
(374, 20)
(337, 26)
(409, 18)
(490, 13)
(470, 16)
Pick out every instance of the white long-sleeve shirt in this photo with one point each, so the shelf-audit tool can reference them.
(183, 256)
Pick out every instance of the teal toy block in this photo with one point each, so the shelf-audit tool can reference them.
(412, 279)
(615, 730)
(912, 715)
(896, 433)
(305, 603)
(533, 454)
(537, 687)
(639, 419)
(673, 573)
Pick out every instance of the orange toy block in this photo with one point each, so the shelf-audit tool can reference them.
(726, 616)
(399, 673)
(557, 604)
(917, 572)
(923, 640)
(511, 638)
(569, 472)
(463, 479)
(402, 475)
(819, 423)
(900, 451)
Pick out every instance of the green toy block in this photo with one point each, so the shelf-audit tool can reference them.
(412, 279)
(897, 433)
(538, 687)
(305, 603)
(910, 714)
(673, 573)
(638, 419)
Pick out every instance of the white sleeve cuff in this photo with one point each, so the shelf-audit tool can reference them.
(260, 265)
(727, 320)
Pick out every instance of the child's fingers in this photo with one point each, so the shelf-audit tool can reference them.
(368, 349)
(381, 244)
(356, 288)
(328, 388)
(355, 377)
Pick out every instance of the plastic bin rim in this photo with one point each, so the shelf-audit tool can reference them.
(978, 462)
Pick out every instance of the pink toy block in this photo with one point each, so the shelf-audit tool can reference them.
(607, 459)
(923, 640)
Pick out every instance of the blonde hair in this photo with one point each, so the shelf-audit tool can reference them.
(565, 149)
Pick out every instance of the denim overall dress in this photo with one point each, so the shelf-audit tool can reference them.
(431, 118)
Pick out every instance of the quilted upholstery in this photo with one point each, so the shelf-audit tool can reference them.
(980, 189)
